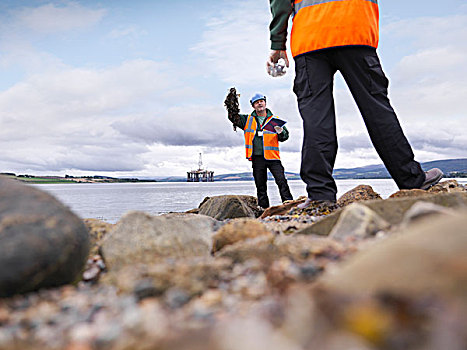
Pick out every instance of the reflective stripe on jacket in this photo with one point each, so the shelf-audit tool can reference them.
(320, 24)
(270, 140)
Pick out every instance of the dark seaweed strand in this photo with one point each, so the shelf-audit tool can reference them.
(231, 103)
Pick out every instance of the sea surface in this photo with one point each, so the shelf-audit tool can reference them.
(109, 201)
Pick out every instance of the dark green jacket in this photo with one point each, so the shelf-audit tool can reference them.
(258, 140)
(281, 11)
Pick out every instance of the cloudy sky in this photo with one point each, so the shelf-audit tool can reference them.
(136, 88)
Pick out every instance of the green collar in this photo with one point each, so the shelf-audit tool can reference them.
(268, 113)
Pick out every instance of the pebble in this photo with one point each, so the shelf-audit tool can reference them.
(240, 302)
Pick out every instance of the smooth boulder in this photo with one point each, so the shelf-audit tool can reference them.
(42, 243)
(230, 207)
(141, 238)
(357, 222)
(425, 259)
(358, 194)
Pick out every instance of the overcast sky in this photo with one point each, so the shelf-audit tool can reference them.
(136, 88)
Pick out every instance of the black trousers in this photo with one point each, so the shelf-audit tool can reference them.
(314, 81)
(260, 173)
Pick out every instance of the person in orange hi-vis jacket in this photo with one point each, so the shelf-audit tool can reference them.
(262, 149)
(336, 35)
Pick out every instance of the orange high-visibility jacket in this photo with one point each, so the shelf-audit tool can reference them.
(270, 139)
(321, 24)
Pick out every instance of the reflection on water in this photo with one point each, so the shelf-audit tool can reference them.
(110, 201)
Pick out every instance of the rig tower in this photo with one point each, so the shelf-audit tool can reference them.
(200, 175)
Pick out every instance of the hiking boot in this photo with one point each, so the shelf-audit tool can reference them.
(310, 202)
(432, 177)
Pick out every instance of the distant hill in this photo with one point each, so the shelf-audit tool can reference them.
(249, 176)
(168, 179)
(450, 167)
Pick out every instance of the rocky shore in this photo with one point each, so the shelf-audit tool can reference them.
(363, 274)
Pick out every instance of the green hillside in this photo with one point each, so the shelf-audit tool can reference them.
(450, 167)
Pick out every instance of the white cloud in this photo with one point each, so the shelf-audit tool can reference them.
(26, 30)
(87, 92)
(431, 78)
(53, 18)
(429, 87)
(236, 44)
(63, 120)
(188, 125)
(115, 120)
(20, 53)
(431, 31)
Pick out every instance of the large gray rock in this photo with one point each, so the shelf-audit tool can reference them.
(357, 222)
(42, 243)
(142, 238)
(358, 194)
(405, 292)
(229, 207)
(425, 259)
(392, 210)
(423, 210)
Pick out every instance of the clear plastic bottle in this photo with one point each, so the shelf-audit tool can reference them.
(279, 68)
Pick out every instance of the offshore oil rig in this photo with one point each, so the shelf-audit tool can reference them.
(200, 175)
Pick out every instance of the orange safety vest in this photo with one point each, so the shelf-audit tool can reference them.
(320, 24)
(270, 140)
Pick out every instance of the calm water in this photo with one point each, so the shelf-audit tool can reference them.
(110, 201)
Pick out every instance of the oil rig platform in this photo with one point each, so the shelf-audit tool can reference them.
(200, 175)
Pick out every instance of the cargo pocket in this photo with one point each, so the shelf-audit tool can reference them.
(411, 168)
(301, 87)
(378, 82)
